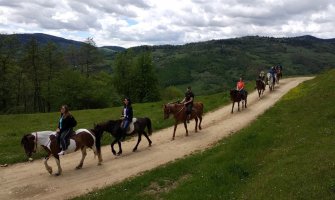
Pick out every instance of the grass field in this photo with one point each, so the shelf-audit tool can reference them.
(13, 127)
(287, 153)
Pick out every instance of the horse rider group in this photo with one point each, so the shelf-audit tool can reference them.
(274, 70)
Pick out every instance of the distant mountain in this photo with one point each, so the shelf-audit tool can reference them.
(45, 38)
(114, 48)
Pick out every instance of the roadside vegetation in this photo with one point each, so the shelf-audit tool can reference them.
(287, 153)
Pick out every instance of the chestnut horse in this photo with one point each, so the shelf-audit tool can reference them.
(138, 126)
(179, 113)
(236, 96)
(260, 86)
(82, 139)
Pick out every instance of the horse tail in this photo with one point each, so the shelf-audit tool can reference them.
(98, 136)
(149, 126)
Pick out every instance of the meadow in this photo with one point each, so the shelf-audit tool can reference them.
(287, 153)
(14, 126)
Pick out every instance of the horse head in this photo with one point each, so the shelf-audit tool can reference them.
(28, 143)
(167, 110)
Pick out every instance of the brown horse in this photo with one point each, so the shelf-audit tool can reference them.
(236, 96)
(114, 128)
(82, 139)
(279, 75)
(179, 113)
(260, 86)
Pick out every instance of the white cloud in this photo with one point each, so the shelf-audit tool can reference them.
(137, 22)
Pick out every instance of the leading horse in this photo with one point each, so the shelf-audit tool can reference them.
(82, 139)
(178, 111)
(236, 96)
(138, 126)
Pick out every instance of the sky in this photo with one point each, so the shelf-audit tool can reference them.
(129, 23)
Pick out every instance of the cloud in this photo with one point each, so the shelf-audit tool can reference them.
(136, 22)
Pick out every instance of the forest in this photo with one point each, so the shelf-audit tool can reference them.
(40, 72)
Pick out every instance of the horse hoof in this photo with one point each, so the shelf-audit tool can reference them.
(79, 167)
(134, 150)
(172, 139)
(114, 153)
(99, 164)
(57, 174)
(150, 144)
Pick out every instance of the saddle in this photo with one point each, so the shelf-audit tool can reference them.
(131, 126)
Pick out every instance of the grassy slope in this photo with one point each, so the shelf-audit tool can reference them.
(13, 127)
(288, 153)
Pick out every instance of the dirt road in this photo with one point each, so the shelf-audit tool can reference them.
(31, 180)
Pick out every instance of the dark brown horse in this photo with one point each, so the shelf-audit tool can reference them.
(260, 86)
(279, 75)
(114, 128)
(179, 113)
(236, 96)
(82, 139)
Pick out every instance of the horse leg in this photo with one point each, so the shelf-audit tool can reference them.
(200, 123)
(196, 124)
(120, 148)
(112, 147)
(47, 167)
(185, 125)
(83, 155)
(174, 130)
(94, 148)
(146, 136)
(238, 106)
(138, 141)
(58, 165)
(232, 108)
(245, 102)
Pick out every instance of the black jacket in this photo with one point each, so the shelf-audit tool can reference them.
(129, 113)
(68, 122)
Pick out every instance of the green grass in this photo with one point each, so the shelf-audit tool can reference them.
(13, 127)
(287, 153)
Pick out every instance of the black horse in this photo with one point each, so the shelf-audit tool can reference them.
(260, 86)
(236, 96)
(114, 128)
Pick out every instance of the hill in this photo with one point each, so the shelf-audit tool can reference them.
(214, 65)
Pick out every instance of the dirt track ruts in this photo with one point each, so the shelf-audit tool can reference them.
(31, 180)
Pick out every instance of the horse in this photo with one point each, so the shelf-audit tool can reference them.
(81, 139)
(236, 96)
(271, 81)
(114, 127)
(179, 113)
(279, 75)
(260, 86)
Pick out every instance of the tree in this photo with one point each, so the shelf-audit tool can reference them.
(9, 46)
(145, 79)
(89, 56)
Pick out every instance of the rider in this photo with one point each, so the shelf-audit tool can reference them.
(65, 127)
(127, 117)
(261, 76)
(188, 102)
(240, 86)
(273, 73)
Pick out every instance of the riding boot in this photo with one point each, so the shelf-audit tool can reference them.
(188, 118)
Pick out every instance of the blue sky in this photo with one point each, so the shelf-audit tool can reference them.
(130, 23)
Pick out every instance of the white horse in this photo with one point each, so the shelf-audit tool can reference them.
(82, 139)
(270, 79)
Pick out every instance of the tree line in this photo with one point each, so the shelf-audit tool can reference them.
(41, 77)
